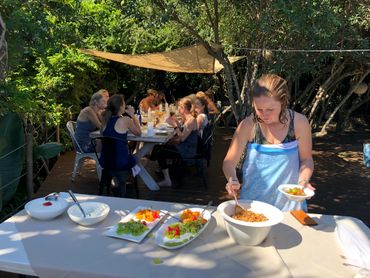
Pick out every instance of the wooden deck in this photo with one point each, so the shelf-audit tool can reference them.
(191, 192)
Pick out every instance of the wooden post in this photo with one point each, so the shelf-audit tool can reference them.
(29, 158)
(58, 133)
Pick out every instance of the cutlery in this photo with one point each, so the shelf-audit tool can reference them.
(77, 202)
(52, 197)
(238, 207)
(169, 214)
(209, 204)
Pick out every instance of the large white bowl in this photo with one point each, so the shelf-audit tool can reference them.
(36, 209)
(95, 212)
(249, 233)
(284, 187)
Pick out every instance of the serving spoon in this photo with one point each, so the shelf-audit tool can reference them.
(77, 202)
(209, 204)
(238, 208)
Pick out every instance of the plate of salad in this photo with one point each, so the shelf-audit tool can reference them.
(137, 224)
(182, 228)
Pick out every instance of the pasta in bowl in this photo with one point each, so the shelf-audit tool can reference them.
(259, 220)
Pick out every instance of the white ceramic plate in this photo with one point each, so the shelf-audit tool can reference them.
(185, 239)
(308, 192)
(112, 232)
(38, 210)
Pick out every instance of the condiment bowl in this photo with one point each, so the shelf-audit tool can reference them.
(46, 209)
(95, 212)
(249, 233)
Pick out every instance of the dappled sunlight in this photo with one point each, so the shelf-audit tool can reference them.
(3, 233)
(124, 250)
(115, 245)
(50, 232)
(191, 261)
(6, 251)
(23, 235)
(84, 236)
(20, 218)
(351, 156)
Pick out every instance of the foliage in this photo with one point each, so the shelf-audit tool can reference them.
(49, 78)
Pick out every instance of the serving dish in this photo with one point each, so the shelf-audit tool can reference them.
(284, 188)
(46, 209)
(249, 233)
(183, 239)
(114, 230)
(95, 212)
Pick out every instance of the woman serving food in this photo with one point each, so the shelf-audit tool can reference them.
(278, 147)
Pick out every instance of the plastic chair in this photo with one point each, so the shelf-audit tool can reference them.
(107, 158)
(80, 155)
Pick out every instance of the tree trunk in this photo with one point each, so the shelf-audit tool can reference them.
(306, 95)
(323, 129)
(358, 103)
(323, 88)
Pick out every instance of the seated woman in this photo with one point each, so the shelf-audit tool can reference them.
(184, 143)
(117, 119)
(201, 111)
(89, 120)
(211, 106)
(152, 101)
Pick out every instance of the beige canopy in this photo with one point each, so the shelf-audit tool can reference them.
(192, 59)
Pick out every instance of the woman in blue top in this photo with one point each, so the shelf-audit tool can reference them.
(278, 147)
(115, 157)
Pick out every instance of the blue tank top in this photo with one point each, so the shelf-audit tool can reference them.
(120, 158)
(188, 148)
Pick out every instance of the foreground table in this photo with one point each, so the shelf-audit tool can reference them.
(60, 248)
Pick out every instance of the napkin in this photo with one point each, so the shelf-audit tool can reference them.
(355, 243)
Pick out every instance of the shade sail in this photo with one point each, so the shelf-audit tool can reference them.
(191, 59)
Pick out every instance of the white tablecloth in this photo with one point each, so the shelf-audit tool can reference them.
(60, 248)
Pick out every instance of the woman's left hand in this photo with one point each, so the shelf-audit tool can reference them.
(306, 184)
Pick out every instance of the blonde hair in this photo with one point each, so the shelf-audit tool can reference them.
(103, 91)
(187, 103)
(274, 86)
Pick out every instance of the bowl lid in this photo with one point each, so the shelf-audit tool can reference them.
(46, 209)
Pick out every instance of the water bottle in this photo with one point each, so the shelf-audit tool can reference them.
(150, 130)
(366, 151)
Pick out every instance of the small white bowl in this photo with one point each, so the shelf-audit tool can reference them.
(249, 233)
(38, 210)
(95, 212)
(308, 192)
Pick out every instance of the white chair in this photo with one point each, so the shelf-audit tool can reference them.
(80, 155)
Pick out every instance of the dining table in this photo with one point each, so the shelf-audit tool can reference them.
(146, 144)
(61, 248)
